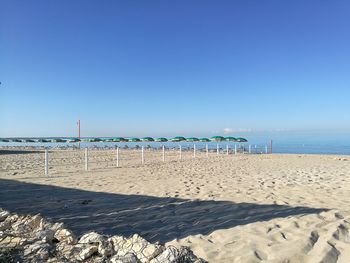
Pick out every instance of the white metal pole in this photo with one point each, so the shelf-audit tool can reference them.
(194, 151)
(163, 148)
(46, 162)
(207, 150)
(86, 159)
(266, 149)
(180, 152)
(235, 148)
(217, 149)
(117, 156)
(142, 155)
(227, 149)
(250, 148)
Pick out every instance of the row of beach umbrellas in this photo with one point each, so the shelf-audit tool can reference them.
(122, 139)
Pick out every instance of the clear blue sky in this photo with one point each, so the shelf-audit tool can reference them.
(173, 67)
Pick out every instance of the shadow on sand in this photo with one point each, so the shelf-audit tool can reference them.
(155, 218)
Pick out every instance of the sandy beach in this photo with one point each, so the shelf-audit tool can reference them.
(226, 208)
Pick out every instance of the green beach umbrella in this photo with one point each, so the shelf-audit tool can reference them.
(58, 140)
(29, 140)
(95, 140)
(230, 139)
(217, 138)
(204, 140)
(108, 140)
(119, 139)
(4, 140)
(43, 140)
(147, 139)
(242, 140)
(161, 139)
(73, 140)
(134, 140)
(16, 140)
(178, 139)
(192, 139)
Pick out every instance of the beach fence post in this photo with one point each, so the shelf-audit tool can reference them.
(235, 148)
(46, 162)
(163, 149)
(86, 159)
(142, 155)
(217, 149)
(227, 149)
(207, 150)
(194, 151)
(250, 149)
(180, 152)
(117, 157)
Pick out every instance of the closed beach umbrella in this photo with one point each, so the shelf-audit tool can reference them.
(29, 140)
(231, 139)
(16, 140)
(217, 138)
(192, 139)
(242, 140)
(134, 140)
(147, 139)
(161, 139)
(204, 140)
(119, 139)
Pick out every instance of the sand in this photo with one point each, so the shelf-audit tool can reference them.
(226, 208)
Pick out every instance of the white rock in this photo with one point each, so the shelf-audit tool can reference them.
(129, 258)
(105, 249)
(92, 238)
(66, 236)
(5, 225)
(169, 255)
(45, 235)
(39, 249)
(144, 250)
(3, 215)
(87, 252)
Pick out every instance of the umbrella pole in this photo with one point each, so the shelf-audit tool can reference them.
(217, 149)
(227, 149)
(194, 151)
(235, 148)
(250, 148)
(46, 162)
(86, 159)
(180, 152)
(117, 156)
(207, 150)
(163, 148)
(142, 155)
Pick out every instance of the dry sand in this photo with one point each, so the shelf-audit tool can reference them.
(227, 208)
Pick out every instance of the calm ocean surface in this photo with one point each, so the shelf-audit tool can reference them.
(311, 143)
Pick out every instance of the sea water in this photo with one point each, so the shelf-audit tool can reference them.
(300, 143)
